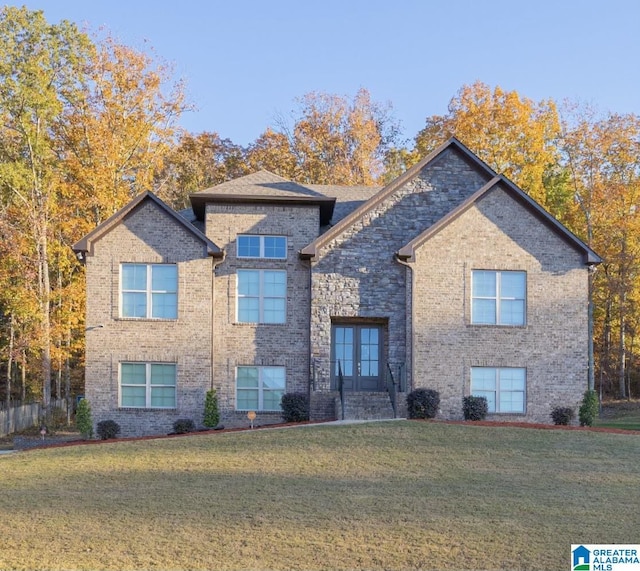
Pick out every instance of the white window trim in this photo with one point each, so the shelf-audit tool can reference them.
(497, 390)
(148, 385)
(149, 291)
(261, 297)
(498, 298)
(262, 247)
(260, 387)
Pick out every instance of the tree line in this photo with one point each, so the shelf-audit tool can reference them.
(87, 123)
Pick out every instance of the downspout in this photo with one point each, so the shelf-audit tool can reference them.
(216, 263)
(410, 328)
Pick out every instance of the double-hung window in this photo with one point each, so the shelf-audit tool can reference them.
(149, 291)
(504, 388)
(148, 385)
(268, 247)
(262, 296)
(498, 298)
(259, 388)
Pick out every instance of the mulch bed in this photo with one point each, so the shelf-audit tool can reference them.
(497, 424)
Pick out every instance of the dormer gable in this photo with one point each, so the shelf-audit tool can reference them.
(262, 187)
(84, 246)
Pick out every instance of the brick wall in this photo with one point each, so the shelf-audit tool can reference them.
(500, 234)
(238, 344)
(148, 235)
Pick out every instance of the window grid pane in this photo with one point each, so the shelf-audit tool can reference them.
(248, 246)
(504, 388)
(498, 298)
(344, 351)
(134, 396)
(148, 385)
(149, 291)
(134, 277)
(164, 278)
(261, 296)
(268, 247)
(260, 388)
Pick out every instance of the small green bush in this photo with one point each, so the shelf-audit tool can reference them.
(107, 429)
(211, 411)
(562, 415)
(183, 425)
(475, 408)
(588, 409)
(84, 420)
(423, 403)
(295, 407)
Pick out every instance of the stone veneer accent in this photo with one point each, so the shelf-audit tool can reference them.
(237, 344)
(500, 234)
(356, 276)
(148, 235)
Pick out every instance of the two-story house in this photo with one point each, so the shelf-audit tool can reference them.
(449, 278)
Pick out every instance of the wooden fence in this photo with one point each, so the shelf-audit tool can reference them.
(21, 416)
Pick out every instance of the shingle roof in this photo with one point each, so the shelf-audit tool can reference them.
(261, 183)
(335, 201)
(348, 198)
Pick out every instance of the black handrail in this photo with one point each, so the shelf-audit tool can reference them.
(393, 392)
(341, 387)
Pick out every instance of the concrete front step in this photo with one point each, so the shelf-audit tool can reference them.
(369, 406)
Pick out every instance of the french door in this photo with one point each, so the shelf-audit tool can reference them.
(356, 351)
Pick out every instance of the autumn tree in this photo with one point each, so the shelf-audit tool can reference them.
(116, 133)
(39, 68)
(602, 155)
(197, 162)
(272, 151)
(333, 140)
(514, 135)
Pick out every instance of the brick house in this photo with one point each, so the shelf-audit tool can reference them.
(449, 278)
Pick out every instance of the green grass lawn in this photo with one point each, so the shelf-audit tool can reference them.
(620, 414)
(395, 495)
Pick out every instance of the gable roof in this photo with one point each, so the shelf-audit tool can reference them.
(407, 252)
(348, 198)
(85, 245)
(310, 251)
(259, 187)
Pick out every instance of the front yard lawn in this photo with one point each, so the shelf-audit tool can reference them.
(392, 495)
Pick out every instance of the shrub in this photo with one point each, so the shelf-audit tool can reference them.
(475, 408)
(211, 412)
(588, 409)
(295, 407)
(423, 403)
(183, 425)
(56, 418)
(84, 420)
(562, 415)
(107, 429)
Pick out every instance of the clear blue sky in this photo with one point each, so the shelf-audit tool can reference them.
(245, 61)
